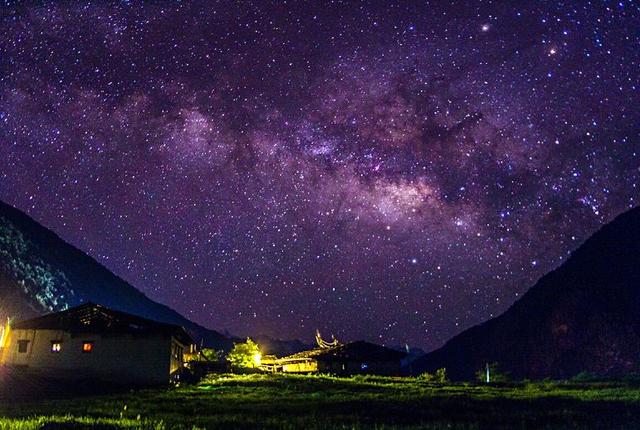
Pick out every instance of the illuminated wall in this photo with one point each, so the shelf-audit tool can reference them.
(301, 366)
(122, 358)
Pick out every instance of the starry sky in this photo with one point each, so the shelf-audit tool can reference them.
(389, 171)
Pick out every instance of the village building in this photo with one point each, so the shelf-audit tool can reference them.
(92, 341)
(341, 359)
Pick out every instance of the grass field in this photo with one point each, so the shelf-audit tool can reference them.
(324, 402)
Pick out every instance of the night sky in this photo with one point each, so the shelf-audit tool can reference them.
(396, 172)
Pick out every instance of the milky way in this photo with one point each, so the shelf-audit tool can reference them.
(389, 171)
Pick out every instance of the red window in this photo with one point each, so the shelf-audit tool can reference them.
(87, 346)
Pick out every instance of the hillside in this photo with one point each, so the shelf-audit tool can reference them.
(583, 316)
(40, 273)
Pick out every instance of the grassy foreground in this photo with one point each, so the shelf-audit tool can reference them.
(324, 402)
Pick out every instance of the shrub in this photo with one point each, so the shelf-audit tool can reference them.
(426, 376)
(439, 377)
(584, 376)
(210, 354)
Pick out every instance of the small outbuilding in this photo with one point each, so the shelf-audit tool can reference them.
(92, 341)
(360, 357)
(343, 359)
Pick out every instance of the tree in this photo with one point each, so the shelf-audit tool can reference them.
(209, 354)
(245, 355)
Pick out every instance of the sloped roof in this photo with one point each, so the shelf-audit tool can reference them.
(311, 353)
(360, 351)
(93, 318)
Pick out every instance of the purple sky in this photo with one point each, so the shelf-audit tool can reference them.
(395, 172)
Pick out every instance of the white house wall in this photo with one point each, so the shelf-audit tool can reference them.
(123, 358)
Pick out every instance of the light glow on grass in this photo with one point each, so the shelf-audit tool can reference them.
(287, 401)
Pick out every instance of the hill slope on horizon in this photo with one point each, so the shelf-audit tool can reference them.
(583, 316)
(41, 273)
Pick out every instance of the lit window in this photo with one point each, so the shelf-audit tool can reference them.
(23, 345)
(87, 346)
(364, 366)
(56, 346)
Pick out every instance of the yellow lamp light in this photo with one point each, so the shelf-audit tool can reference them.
(4, 334)
(257, 359)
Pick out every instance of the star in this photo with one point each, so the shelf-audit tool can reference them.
(272, 170)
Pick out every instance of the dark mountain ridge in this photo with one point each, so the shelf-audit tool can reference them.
(41, 273)
(583, 316)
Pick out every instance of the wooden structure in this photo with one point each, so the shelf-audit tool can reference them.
(360, 357)
(343, 359)
(91, 341)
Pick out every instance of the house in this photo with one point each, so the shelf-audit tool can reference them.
(92, 341)
(344, 359)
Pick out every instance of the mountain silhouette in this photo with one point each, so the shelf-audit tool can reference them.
(582, 317)
(41, 273)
